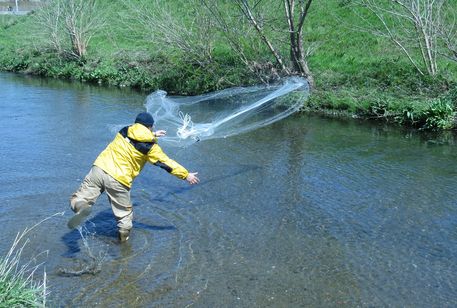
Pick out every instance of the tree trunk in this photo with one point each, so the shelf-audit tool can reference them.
(297, 55)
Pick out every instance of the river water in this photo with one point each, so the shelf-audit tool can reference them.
(305, 212)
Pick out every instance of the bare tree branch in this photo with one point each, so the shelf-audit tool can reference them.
(49, 19)
(246, 9)
(447, 32)
(83, 19)
(412, 25)
(69, 25)
(165, 30)
(233, 30)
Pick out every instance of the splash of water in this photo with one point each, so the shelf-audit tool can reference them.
(92, 265)
(225, 113)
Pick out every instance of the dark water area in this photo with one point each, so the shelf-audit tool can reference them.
(304, 212)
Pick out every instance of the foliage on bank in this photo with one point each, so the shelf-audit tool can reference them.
(415, 101)
(18, 287)
(356, 74)
(145, 73)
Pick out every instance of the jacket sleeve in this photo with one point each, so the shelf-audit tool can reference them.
(157, 157)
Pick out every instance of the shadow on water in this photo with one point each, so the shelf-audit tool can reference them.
(209, 181)
(102, 224)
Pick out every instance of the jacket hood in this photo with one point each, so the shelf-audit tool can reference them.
(140, 133)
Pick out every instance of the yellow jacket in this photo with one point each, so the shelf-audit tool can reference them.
(126, 155)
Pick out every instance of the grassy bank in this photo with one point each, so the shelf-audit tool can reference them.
(356, 73)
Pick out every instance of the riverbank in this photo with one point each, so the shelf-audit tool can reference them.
(355, 73)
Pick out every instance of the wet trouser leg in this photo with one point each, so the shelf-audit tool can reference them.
(119, 198)
(88, 192)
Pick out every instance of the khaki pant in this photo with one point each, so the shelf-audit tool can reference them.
(95, 183)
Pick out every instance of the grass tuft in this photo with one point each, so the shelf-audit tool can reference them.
(18, 284)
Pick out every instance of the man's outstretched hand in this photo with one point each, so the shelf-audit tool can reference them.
(160, 133)
(192, 178)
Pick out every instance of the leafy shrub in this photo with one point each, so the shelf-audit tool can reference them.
(435, 114)
(378, 109)
(439, 115)
(451, 96)
(14, 61)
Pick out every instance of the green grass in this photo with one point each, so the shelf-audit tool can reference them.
(19, 286)
(355, 72)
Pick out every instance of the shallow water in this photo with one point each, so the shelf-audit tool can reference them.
(304, 212)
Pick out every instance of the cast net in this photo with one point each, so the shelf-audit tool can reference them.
(224, 113)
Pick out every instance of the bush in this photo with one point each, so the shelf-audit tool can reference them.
(14, 61)
(451, 96)
(436, 114)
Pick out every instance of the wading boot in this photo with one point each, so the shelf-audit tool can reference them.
(124, 235)
(82, 211)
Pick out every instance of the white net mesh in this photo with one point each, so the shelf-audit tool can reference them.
(224, 113)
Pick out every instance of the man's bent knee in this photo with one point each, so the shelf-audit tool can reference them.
(76, 204)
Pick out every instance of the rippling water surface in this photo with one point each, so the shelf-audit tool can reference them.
(304, 212)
